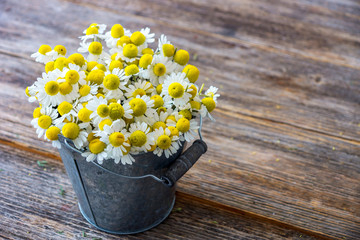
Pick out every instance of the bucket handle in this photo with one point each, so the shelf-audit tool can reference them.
(176, 170)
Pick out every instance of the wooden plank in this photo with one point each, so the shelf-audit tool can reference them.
(31, 207)
(307, 94)
(296, 27)
(286, 174)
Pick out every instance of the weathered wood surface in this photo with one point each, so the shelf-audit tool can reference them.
(286, 143)
(31, 207)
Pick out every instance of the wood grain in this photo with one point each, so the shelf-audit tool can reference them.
(31, 207)
(285, 146)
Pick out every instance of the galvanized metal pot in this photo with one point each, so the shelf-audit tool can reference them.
(127, 199)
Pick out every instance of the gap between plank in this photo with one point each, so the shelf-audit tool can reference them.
(219, 36)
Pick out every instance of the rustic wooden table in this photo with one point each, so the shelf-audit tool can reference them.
(283, 159)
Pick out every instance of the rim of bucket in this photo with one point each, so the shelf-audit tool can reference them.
(130, 232)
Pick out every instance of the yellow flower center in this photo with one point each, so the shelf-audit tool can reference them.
(27, 92)
(168, 50)
(95, 48)
(159, 124)
(101, 67)
(96, 146)
(164, 142)
(192, 72)
(160, 110)
(209, 103)
(44, 49)
(71, 130)
(65, 88)
(176, 90)
(49, 67)
(131, 70)
(181, 57)
(158, 101)
(84, 90)
(183, 125)
(96, 76)
(195, 105)
(138, 106)
(44, 121)
(84, 115)
(117, 31)
(138, 138)
(123, 40)
(72, 76)
(60, 49)
(116, 111)
(77, 58)
(139, 91)
(147, 51)
(171, 117)
(37, 112)
(116, 139)
(103, 110)
(64, 108)
(186, 114)
(91, 137)
(137, 38)
(115, 64)
(103, 123)
(52, 133)
(61, 62)
(173, 131)
(130, 50)
(92, 30)
(91, 65)
(52, 88)
(111, 82)
(145, 61)
(159, 69)
(159, 89)
(193, 90)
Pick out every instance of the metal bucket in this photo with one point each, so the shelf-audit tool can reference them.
(128, 198)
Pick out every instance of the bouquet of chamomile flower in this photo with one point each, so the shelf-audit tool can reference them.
(129, 100)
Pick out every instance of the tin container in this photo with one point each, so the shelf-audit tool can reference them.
(127, 199)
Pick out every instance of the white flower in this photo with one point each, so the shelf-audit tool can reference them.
(93, 32)
(211, 92)
(142, 106)
(159, 69)
(186, 128)
(47, 88)
(138, 88)
(149, 37)
(98, 105)
(116, 93)
(140, 137)
(100, 58)
(41, 55)
(116, 137)
(165, 142)
(45, 121)
(77, 68)
(162, 40)
(178, 88)
(88, 92)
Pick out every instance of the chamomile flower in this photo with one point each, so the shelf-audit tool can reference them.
(165, 47)
(41, 55)
(58, 51)
(95, 151)
(74, 74)
(31, 93)
(207, 106)
(116, 137)
(68, 92)
(93, 32)
(185, 127)
(142, 106)
(118, 110)
(113, 83)
(141, 139)
(66, 111)
(178, 88)
(113, 36)
(166, 143)
(52, 134)
(47, 88)
(95, 50)
(138, 88)
(159, 69)
(100, 109)
(149, 37)
(45, 120)
(212, 92)
(157, 120)
(77, 132)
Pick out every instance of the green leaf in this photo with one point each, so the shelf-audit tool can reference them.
(41, 163)
(62, 191)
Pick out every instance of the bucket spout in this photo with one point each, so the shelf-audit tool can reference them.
(181, 165)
